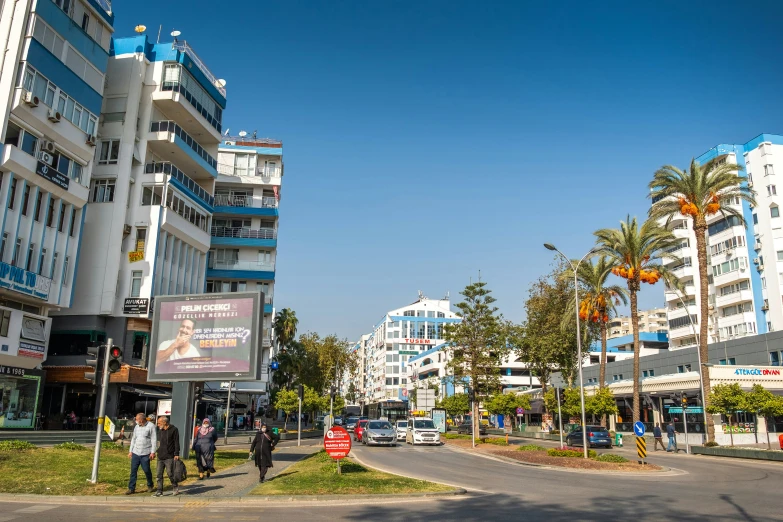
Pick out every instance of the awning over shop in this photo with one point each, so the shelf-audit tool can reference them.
(156, 394)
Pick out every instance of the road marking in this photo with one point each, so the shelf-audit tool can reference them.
(39, 508)
(5, 519)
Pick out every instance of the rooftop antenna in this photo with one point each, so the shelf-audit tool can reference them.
(226, 133)
(254, 134)
(175, 34)
(242, 134)
(221, 83)
(140, 28)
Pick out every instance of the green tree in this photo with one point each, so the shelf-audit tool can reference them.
(478, 344)
(695, 194)
(352, 393)
(285, 325)
(601, 403)
(455, 405)
(288, 401)
(765, 404)
(637, 251)
(727, 399)
(570, 402)
(506, 404)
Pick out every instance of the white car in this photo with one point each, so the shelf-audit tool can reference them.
(402, 429)
(422, 430)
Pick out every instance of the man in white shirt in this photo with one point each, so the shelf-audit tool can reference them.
(179, 348)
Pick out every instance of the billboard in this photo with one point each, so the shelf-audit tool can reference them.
(206, 337)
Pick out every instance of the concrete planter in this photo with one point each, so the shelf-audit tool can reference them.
(719, 451)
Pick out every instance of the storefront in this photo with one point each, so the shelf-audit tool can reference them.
(20, 391)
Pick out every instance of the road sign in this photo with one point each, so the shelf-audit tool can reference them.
(109, 428)
(638, 428)
(520, 411)
(164, 407)
(641, 448)
(337, 442)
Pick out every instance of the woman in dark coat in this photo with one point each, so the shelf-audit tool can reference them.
(204, 446)
(263, 445)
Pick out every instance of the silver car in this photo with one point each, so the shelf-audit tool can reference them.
(379, 432)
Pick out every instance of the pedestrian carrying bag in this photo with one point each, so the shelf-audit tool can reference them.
(180, 471)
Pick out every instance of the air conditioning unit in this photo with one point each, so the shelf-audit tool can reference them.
(729, 251)
(756, 261)
(750, 184)
(757, 245)
(90, 140)
(54, 116)
(30, 99)
(47, 146)
(751, 205)
(126, 229)
(46, 158)
(765, 307)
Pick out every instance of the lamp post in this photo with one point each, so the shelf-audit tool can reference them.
(551, 247)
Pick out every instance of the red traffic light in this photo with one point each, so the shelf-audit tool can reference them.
(115, 352)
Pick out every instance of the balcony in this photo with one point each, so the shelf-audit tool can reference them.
(246, 205)
(183, 180)
(259, 172)
(182, 99)
(238, 236)
(168, 140)
(14, 159)
(175, 224)
(240, 265)
(734, 298)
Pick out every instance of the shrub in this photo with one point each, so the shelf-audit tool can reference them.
(531, 447)
(711, 444)
(70, 446)
(610, 457)
(565, 452)
(111, 446)
(16, 445)
(494, 440)
(456, 436)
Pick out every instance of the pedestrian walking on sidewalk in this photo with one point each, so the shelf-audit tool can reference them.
(672, 434)
(142, 451)
(204, 446)
(263, 445)
(658, 437)
(168, 453)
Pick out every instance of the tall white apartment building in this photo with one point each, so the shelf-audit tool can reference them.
(650, 321)
(52, 78)
(745, 263)
(151, 200)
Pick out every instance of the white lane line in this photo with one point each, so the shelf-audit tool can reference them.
(6, 519)
(39, 508)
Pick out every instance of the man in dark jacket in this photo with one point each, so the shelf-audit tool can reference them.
(658, 437)
(168, 452)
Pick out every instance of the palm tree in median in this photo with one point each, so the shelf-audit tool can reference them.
(285, 327)
(699, 192)
(636, 253)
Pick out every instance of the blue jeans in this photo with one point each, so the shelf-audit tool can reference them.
(144, 461)
(672, 442)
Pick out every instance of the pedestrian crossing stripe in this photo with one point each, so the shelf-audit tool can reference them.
(641, 447)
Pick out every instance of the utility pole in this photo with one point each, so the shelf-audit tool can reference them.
(228, 410)
(559, 416)
(101, 410)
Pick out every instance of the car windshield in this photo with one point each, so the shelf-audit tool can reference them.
(362, 423)
(597, 428)
(423, 424)
(352, 420)
(402, 424)
(379, 425)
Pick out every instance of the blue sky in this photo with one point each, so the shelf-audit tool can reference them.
(425, 141)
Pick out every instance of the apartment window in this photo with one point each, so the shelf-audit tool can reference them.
(152, 195)
(731, 361)
(66, 262)
(12, 197)
(771, 191)
(53, 267)
(755, 219)
(25, 199)
(768, 170)
(141, 239)
(37, 211)
(774, 212)
(72, 231)
(47, 37)
(17, 252)
(409, 313)
(86, 22)
(50, 213)
(30, 254)
(648, 373)
(41, 262)
(136, 277)
(2, 247)
(103, 190)
(617, 377)
(109, 152)
(774, 359)
(264, 257)
(684, 368)
(5, 320)
(61, 220)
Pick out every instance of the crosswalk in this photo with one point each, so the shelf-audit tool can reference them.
(27, 511)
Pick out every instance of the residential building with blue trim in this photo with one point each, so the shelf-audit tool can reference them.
(52, 82)
(151, 200)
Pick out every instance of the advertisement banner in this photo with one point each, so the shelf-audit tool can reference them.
(135, 305)
(205, 337)
(439, 419)
(35, 351)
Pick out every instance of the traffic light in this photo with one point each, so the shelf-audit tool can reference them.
(94, 360)
(301, 392)
(471, 395)
(684, 399)
(332, 392)
(115, 359)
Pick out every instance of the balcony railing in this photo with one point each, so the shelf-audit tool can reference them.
(174, 172)
(184, 47)
(181, 81)
(240, 232)
(232, 264)
(227, 200)
(170, 126)
(262, 172)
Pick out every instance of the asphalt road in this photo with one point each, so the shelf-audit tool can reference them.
(698, 488)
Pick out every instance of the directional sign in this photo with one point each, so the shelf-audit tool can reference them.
(641, 448)
(337, 442)
(638, 428)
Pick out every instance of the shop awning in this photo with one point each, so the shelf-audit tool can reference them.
(157, 394)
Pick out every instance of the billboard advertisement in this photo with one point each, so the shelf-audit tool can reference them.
(205, 337)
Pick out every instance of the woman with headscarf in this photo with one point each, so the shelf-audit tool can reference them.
(204, 446)
(263, 445)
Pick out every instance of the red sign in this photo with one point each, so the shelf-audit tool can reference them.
(417, 341)
(337, 442)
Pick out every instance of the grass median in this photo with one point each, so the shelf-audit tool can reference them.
(56, 471)
(317, 475)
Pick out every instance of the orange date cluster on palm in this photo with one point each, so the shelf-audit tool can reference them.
(690, 209)
(587, 312)
(645, 276)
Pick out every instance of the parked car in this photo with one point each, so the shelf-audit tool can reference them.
(350, 423)
(357, 431)
(596, 436)
(402, 428)
(466, 427)
(319, 422)
(379, 432)
(422, 430)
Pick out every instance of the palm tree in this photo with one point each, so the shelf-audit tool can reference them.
(636, 253)
(700, 192)
(599, 300)
(285, 327)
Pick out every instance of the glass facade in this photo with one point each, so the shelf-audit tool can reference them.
(19, 392)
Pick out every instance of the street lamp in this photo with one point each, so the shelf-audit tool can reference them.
(551, 247)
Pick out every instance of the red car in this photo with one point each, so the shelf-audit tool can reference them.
(358, 431)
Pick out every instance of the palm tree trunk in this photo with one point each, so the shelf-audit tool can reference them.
(701, 249)
(602, 370)
(635, 325)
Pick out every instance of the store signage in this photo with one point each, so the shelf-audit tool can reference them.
(135, 305)
(50, 174)
(756, 371)
(407, 352)
(164, 407)
(417, 341)
(24, 282)
(33, 328)
(136, 255)
(35, 351)
(10, 370)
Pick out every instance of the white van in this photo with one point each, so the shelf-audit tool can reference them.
(422, 430)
